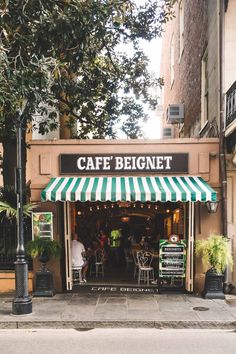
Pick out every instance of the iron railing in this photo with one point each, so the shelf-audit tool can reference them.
(8, 244)
(231, 104)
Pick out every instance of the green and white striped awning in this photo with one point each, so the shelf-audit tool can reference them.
(151, 188)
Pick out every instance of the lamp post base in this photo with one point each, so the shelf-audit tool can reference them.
(22, 306)
(22, 303)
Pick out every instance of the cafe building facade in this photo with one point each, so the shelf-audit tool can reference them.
(157, 188)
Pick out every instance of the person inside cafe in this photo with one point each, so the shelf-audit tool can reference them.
(103, 241)
(115, 243)
(78, 254)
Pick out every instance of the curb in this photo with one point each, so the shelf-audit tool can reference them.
(117, 324)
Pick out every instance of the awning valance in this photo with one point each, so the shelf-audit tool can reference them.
(148, 188)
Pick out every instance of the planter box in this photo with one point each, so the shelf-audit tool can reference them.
(213, 288)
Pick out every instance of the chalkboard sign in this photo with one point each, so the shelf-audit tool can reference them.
(172, 259)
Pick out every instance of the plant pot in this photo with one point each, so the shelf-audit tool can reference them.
(44, 278)
(44, 258)
(213, 288)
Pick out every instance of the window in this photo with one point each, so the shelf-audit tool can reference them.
(167, 132)
(172, 60)
(204, 89)
(181, 28)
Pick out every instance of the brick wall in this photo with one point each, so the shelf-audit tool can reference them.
(186, 87)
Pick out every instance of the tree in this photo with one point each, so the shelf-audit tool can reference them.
(65, 56)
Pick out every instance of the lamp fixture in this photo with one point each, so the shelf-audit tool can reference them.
(125, 219)
(212, 206)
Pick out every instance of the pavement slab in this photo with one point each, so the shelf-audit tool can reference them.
(72, 310)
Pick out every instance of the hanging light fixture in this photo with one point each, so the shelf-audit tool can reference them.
(212, 206)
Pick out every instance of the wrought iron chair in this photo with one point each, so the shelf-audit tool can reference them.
(136, 266)
(145, 269)
(99, 262)
(76, 275)
(129, 261)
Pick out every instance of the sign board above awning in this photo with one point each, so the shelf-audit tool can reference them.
(148, 188)
(77, 164)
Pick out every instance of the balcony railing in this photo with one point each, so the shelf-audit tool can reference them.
(231, 104)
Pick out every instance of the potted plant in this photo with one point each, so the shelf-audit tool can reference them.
(44, 249)
(215, 253)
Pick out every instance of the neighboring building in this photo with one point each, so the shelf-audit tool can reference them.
(199, 68)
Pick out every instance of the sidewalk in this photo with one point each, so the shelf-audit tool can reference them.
(129, 310)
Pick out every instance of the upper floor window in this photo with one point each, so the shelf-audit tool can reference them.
(181, 27)
(204, 89)
(172, 60)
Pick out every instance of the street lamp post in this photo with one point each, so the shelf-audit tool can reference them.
(22, 303)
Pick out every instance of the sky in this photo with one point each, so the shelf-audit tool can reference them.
(151, 128)
(152, 49)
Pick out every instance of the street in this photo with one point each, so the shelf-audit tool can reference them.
(123, 340)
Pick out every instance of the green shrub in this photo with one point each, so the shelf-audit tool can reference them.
(215, 252)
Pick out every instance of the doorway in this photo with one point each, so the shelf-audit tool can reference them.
(143, 225)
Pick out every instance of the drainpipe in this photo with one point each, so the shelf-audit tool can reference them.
(223, 175)
(228, 287)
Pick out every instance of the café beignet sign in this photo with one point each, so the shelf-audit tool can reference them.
(116, 163)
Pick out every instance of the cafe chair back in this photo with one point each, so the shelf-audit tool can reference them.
(134, 254)
(145, 268)
(76, 275)
(99, 261)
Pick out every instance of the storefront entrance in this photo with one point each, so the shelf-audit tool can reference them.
(154, 191)
(143, 226)
(152, 213)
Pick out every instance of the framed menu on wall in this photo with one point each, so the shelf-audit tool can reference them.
(42, 225)
(172, 259)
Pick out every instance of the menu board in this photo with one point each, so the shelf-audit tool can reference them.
(42, 225)
(172, 259)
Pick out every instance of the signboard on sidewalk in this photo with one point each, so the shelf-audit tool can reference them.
(172, 259)
(42, 225)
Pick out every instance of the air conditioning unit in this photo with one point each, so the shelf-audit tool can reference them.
(175, 113)
(167, 132)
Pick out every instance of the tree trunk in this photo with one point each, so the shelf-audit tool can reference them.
(10, 160)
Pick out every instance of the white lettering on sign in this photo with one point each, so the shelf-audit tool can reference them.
(79, 163)
(159, 163)
(119, 163)
(90, 164)
(106, 160)
(168, 159)
(127, 163)
(140, 163)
